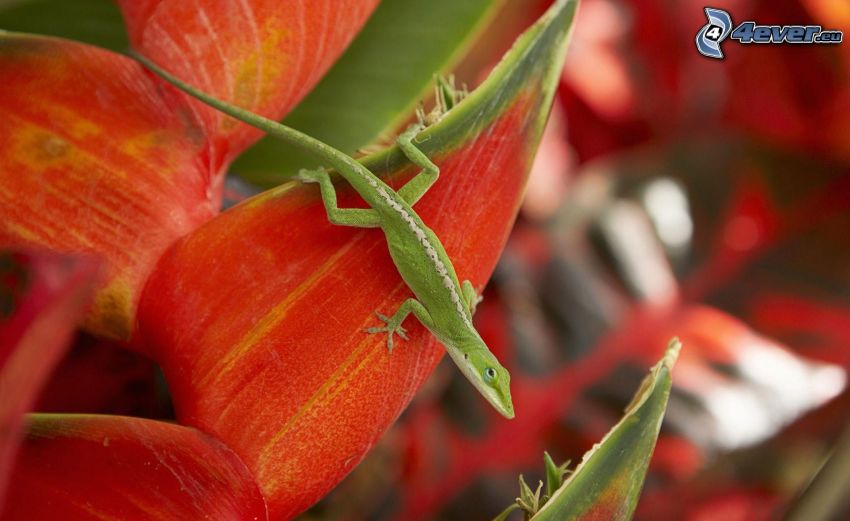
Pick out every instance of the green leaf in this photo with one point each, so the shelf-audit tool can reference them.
(376, 84)
(607, 483)
(97, 22)
(554, 475)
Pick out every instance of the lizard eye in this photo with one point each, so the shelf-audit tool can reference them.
(489, 375)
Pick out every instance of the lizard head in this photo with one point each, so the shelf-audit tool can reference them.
(492, 380)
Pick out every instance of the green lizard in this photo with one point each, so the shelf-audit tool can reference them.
(442, 303)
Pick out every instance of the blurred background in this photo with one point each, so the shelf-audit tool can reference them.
(672, 195)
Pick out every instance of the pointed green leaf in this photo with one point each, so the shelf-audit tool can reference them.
(376, 84)
(97, 22)
(554, 474)
(607, 483)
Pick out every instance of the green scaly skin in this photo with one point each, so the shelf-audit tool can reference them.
(442, 303)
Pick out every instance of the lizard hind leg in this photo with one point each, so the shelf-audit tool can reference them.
(393, 324)
(392, 327)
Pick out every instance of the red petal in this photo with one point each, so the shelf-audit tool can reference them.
(44, 296)
(111, 467)
(263, 55)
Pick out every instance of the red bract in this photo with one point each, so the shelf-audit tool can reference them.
(125, 165)
(111, 467)
(101, 163)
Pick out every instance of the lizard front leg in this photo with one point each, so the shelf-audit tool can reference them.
(414, 189)
(393, 324)
(357, 217)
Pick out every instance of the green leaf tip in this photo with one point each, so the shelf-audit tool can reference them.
(671, 354)
(554, 475)
(607, 482)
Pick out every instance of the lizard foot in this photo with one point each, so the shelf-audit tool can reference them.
(389, 329)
